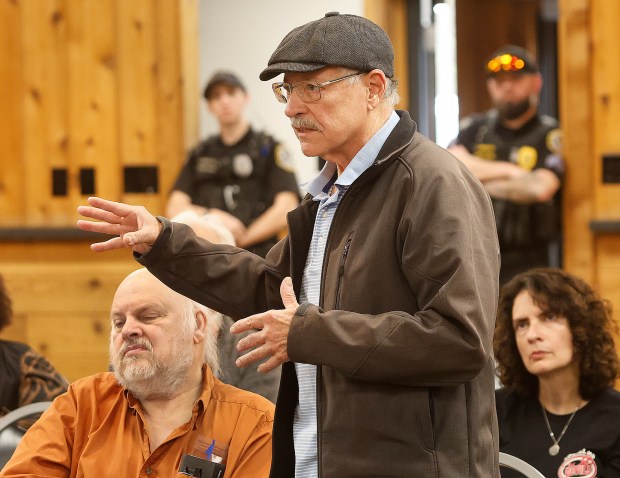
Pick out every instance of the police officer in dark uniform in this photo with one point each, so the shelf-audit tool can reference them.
(516, 153)
(243, 177)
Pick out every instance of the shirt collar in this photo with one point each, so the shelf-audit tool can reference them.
(360, 162)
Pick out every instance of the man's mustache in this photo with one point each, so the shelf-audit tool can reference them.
(304, 123)
(140, 342)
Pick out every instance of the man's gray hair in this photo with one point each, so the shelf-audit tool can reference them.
(391, 88)
(214, 323)
(391, 91)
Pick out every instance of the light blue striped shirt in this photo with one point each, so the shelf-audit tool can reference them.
(305, 421)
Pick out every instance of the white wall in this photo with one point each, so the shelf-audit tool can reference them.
(240, 35)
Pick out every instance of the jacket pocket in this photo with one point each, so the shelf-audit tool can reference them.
(425, 410)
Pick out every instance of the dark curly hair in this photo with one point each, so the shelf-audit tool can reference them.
(590, 320)
(6, 310)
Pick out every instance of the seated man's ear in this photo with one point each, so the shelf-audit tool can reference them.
(202, 322)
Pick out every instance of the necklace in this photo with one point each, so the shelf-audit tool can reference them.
(555, 448)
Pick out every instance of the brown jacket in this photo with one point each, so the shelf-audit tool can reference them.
(402, 335)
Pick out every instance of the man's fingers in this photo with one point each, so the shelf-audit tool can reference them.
(288, 294)
(249, 323)
(251, 357)
(102, 227)
(99, 214)
(269, 365)
(118, 208)
(250, 341)
(115, 243)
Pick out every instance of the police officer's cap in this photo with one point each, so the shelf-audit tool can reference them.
(511, 58)
(222, 78)
(334, 40)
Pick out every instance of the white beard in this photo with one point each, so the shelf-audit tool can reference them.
(148, 376)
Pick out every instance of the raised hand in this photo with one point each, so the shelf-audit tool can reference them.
(272, 338)
(134, 225)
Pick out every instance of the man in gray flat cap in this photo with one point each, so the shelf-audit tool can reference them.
(393, 256)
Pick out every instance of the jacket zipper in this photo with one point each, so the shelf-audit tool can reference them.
(343, 259)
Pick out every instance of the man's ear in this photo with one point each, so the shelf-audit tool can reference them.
(538, 81)
(202, 322)
(376, 83)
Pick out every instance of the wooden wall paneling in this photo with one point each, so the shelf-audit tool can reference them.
(608, 267)
(608, 275)
(137, 86)
(12, 207)
(77, 344)
(93, 104)
(391, 15)
(189, 18)
(170, 150)
(576, 117)
(17, 330)
(64, 287)
(606, 105)
(45, 127)
(52, 252)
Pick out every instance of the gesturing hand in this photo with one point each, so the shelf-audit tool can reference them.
(134, 225)
(271, 340)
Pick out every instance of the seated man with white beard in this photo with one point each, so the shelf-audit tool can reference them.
(161, 402)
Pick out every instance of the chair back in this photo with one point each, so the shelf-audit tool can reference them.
(519, 465)
(11, 433)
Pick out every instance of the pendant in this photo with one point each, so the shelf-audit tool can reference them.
(554, 449)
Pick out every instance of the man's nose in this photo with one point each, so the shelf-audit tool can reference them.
(294, 105)
(131, 329)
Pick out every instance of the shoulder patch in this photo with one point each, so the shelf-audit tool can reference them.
(554, 141)
(283, 159)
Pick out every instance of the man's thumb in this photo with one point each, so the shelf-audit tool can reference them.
(288, 294)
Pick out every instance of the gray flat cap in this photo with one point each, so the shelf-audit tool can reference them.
(334, 40)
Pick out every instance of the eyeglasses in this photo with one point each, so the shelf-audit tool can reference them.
(505, 62)
(306, 90)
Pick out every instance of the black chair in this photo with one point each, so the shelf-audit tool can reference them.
(517, 464)
(11, 433)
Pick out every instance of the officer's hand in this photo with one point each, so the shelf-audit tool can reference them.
(134, 225)
(271, 340)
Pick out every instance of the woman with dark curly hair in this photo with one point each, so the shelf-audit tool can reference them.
(557, 363)
(25, 375)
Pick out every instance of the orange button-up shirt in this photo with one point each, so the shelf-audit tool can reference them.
(97, 430)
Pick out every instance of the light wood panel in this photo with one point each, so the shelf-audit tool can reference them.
(12, 207)
(102, 85)
(576, 118)
(93, 105)
(589, 87)
(391, 15)
(605, 36)
(45, 78)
